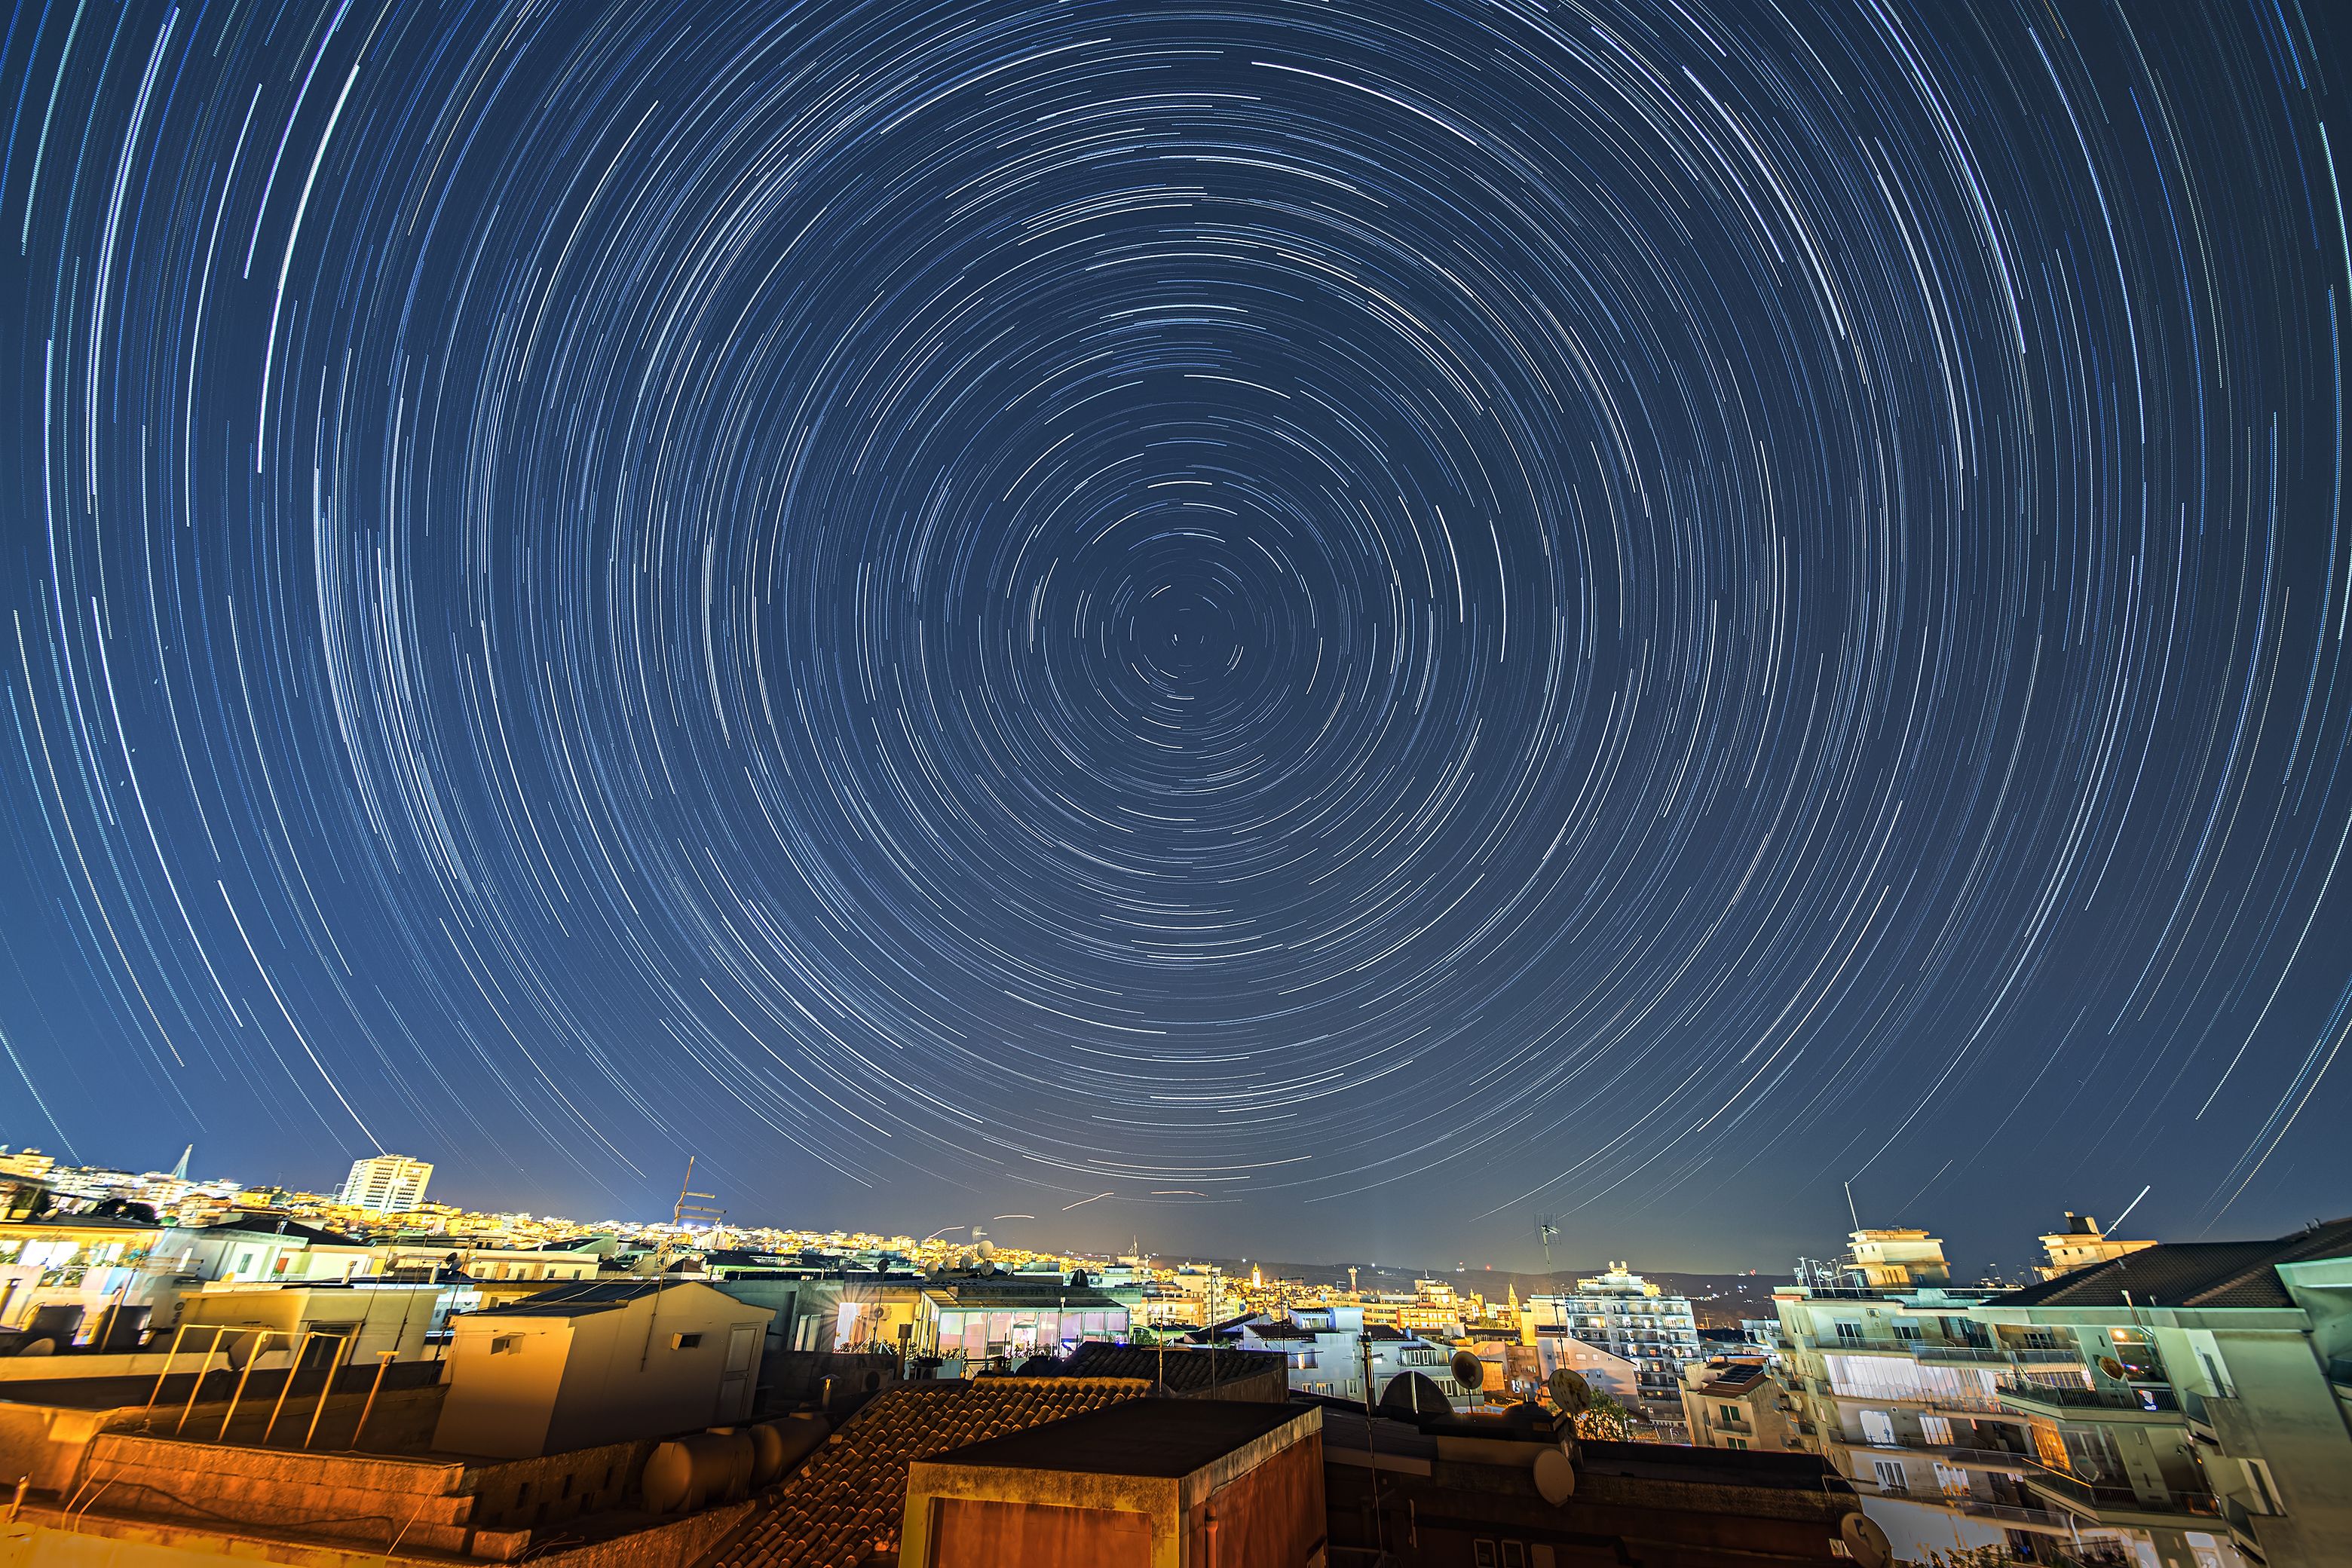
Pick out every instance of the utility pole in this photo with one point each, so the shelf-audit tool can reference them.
(1380, 1527)
(1217, 1381)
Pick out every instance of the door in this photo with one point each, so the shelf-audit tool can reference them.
(735, 1381)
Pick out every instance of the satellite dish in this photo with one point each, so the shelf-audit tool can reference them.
(2112, 1367)
(237, 1350)
(1864, 1539)
(1570, 1392)
(1555, 1476)
(1468, 1370)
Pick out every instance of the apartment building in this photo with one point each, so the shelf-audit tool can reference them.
(2182, 1405)
(1900, 1390)
(386, 1183)
(2213, 1415)
(1733, 1402)
(1626, 1315)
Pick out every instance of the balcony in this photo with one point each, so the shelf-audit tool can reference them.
(2119, 1505)
(1975, 1507)
(2081, 1404)
(1968, 1355)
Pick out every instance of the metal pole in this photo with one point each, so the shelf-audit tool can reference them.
(260, 1342)
(204, 1369)
(169, 1356)
(344, 1342)
(383, 1365)
(301, 1347)
(1380, 1527)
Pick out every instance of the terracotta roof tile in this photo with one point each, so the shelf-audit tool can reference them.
(843, 1506)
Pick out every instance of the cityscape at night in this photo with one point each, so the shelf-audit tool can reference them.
(1499, 783)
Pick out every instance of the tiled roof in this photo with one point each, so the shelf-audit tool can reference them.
(845, 1504)
(1187, 1370)
(2190, 1273)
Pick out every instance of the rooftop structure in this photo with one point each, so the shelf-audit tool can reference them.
(1155, 1481)
(2080, 1245)
(601, 1362)
(847, 1504)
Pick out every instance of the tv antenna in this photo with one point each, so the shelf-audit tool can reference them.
(691, 1208)
(1545, 1231)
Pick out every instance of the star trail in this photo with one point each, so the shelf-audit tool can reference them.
(1292, 623)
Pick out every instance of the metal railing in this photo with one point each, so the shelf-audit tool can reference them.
(2096, 1498)
(2148, 1401)
(1958, 1502)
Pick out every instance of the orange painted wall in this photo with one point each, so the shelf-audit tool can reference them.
(1270, 1518)
(977, 1534)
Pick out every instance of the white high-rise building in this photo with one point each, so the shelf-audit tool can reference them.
(1627, 1316)
(388, 1183)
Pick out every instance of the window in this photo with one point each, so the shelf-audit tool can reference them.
(2258, 1471)
(1937, 1430)
(1878, 1429)
(1891, 1476)
(1734, 1442)
(505, 1344)
(1908, 1333)
(1850, 1331)
(1515, 1554)
(685, 1341)
(1730, 1415)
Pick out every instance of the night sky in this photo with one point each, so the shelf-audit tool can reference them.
(1304, 630)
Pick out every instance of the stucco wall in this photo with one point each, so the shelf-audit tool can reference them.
(976, 1533)
(1270, 1515)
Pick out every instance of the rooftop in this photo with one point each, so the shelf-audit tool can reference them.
(845, 1504)
(578, 1300)
(2191, 1273)
(1184, 1369)
(1160, 1437)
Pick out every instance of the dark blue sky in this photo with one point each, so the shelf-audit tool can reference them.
(1294, 628)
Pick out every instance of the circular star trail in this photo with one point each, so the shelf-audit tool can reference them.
(1458, 607)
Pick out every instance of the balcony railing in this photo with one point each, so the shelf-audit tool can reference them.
(2094, 1497)
(1959, 1502)
(2071, 1397)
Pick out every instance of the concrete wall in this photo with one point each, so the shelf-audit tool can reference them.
(627, 1376)
(2284, 1404)
(501, 1401)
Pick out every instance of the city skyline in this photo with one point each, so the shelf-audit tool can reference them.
(1331, 628)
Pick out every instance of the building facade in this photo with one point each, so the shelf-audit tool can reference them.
(1735, 1402)
(1627, 1316)
(2080, 1420)
(1329, 1351)
(386, 1183)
